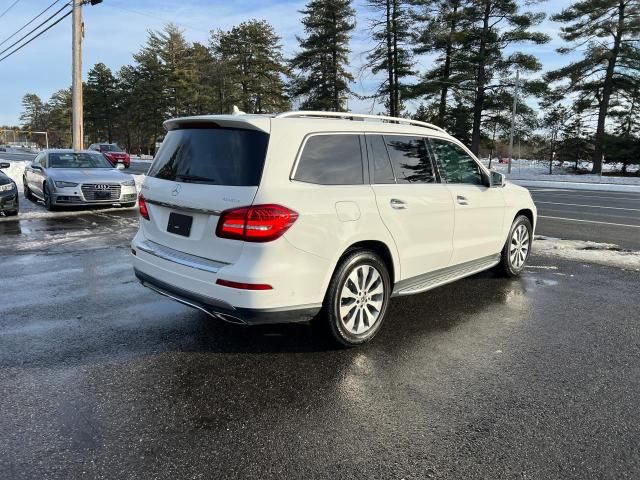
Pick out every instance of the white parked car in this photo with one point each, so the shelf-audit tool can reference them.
(326, 216)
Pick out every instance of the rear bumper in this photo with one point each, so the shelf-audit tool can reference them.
(224, 311)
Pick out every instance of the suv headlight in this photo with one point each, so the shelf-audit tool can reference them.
(61, 184)
(7, 188)
(129, 183)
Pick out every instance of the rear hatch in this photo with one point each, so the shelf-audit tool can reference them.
(202, 169)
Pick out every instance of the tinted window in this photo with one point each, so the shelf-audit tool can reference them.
(410, 159)
(331, 160)
(456, 166)
(110, 147)
(382, 172)
(215, 156)
(78, 160)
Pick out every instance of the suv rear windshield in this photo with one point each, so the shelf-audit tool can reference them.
(215, 156)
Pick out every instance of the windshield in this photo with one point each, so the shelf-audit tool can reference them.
(215, 156)
(78, 160)
(110, 148)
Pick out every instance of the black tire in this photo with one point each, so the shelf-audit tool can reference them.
(330, 315)
(27, 191)
(507, 265)
(48, 204)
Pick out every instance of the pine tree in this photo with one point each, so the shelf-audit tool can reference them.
(150, 93)
(491, 27)
(323, 79)
(252, 56)
(610, 30)
(173, 51)
(203, 95)
(438, 31)
(33, 113)
(390, 31)
(100, 104)
(59, 118)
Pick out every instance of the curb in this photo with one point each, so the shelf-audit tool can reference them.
(605, 187)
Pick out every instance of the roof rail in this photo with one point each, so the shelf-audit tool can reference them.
(354, 116)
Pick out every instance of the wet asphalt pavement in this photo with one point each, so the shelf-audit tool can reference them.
(532, 378)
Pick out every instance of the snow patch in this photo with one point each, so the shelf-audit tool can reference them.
(537, 170)
(585, 251)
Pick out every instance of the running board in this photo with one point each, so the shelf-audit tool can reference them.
(425, 282)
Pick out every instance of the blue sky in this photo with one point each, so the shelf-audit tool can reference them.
(116, 29)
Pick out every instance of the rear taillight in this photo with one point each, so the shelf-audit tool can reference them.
(259, 223)
(142, 206)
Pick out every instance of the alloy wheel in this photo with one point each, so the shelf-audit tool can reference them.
(361, 299)
(519, 246)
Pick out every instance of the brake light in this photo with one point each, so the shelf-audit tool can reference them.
(142, 207)
(258, 223)
(243, 286)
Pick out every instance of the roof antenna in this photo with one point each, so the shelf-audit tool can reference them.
(237, 111)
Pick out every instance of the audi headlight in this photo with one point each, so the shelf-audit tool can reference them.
(61, 184)
(129, 183)
(7, 187)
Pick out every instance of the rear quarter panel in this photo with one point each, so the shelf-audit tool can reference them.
(331, 218)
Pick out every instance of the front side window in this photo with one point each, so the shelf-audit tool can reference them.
(410, 159)
(331, 160)
(456, 166)
(37, 160)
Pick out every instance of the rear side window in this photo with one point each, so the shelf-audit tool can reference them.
(410, 159)
(214, 156)
(379, 158)
(331, 160)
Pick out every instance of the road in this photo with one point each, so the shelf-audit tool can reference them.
(609, 217)
(533, 378)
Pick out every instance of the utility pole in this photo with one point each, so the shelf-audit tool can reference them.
(77, 120)
(513, 119)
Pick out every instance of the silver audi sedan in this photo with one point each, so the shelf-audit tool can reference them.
(68, 177)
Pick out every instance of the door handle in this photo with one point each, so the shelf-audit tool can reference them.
(462, 200)
(398, 204)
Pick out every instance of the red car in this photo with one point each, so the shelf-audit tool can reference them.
(113, 152)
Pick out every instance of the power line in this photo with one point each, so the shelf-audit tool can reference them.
(38, 35)
(33, 30)
(28, 23)
(9, 8)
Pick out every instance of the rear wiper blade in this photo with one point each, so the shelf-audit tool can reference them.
(194, 178)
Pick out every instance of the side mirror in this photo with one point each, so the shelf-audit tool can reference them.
(5, 164)
(119, 166)
(497, 179)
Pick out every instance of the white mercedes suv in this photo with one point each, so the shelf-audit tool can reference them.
(326, 216)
